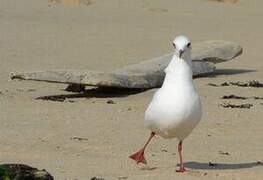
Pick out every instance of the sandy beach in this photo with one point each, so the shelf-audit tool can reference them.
(108, 34)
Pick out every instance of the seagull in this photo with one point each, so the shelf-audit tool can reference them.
(175, 108)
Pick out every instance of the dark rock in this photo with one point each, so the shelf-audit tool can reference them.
(22, 172)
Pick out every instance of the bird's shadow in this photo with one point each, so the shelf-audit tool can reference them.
(99, 92)
(219, 72)
(221, 166)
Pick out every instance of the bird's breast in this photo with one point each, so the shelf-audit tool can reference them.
(169, 113)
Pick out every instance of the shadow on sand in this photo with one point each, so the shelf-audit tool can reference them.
(99, 92)
(219, 72)
(221, 166)
(232, 71)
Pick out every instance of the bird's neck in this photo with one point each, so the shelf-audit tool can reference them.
(178, 72)
(180, 67)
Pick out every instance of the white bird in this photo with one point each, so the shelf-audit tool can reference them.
(176, 107)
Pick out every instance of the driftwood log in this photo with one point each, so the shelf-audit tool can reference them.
(146, 74)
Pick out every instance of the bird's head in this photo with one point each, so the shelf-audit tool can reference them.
(182, 47)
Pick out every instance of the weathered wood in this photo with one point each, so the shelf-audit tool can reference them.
(146, 74)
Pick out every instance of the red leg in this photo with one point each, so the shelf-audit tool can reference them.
(180, 148)
(139, 155)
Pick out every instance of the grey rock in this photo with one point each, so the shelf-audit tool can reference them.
(144, 75)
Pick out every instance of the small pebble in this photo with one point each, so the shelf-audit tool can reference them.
(110, 102)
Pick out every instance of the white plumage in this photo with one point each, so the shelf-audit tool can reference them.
(176, 107)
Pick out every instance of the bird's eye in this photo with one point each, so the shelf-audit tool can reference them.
(174, 45)
(188, 45)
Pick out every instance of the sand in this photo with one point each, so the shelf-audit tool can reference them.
(108, 34)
